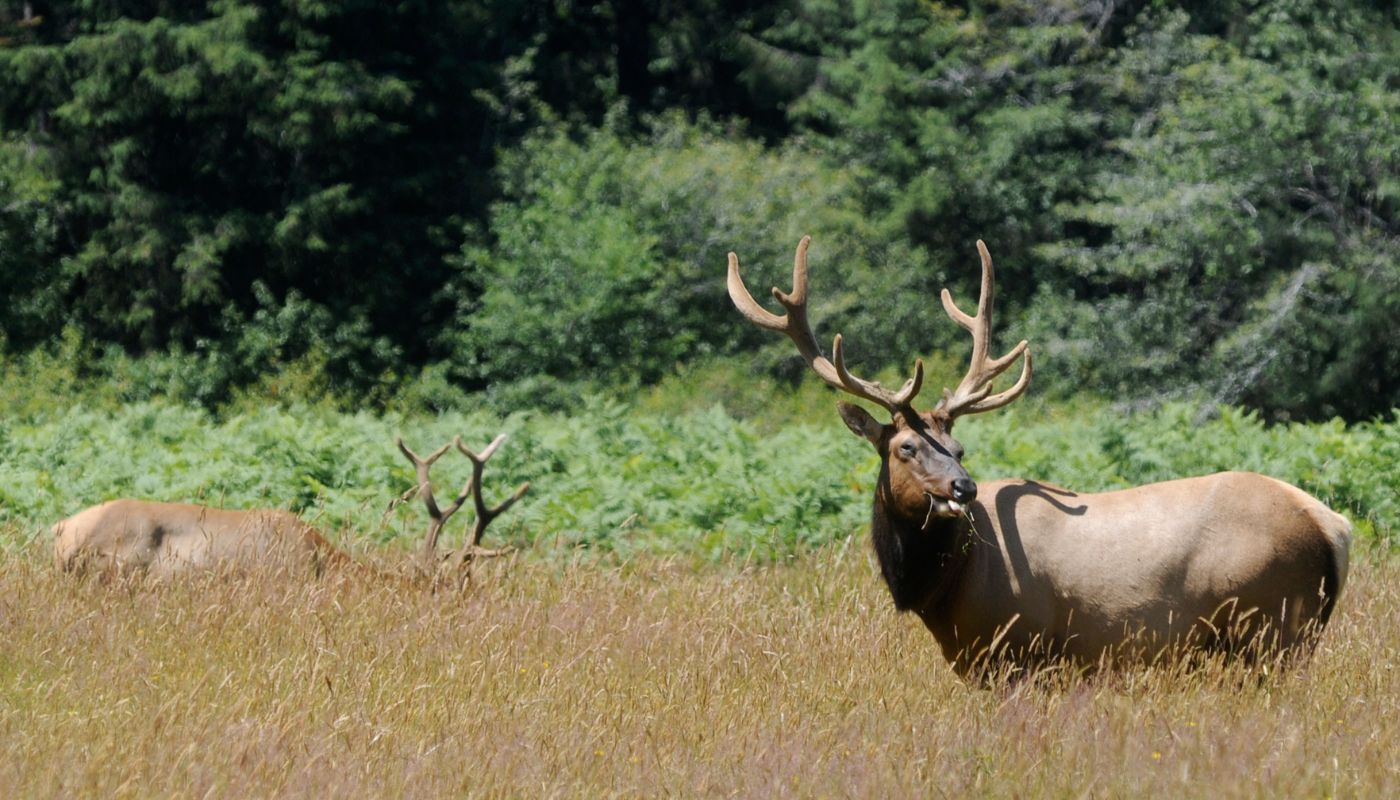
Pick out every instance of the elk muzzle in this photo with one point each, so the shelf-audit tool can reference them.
(940, 505)
(964, 491)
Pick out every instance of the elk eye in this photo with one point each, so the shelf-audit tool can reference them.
(906, 449)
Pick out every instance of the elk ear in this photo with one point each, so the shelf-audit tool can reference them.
(861, 423)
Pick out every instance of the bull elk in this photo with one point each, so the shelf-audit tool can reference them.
(1015, 571)
(164, 539)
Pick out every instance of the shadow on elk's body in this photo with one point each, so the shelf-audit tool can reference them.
(1017, 571)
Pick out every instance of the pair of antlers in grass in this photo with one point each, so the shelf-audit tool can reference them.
(471, 548)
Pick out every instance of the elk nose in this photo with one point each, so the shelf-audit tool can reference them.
(964, 490)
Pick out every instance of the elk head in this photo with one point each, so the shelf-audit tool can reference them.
(921, 474)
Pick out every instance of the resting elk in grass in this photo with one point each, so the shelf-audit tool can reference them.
(1015, 571)
(163, 539)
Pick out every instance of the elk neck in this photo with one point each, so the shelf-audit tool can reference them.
(922, 566)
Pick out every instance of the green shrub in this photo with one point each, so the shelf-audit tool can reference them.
(607, 258)
(610, 477)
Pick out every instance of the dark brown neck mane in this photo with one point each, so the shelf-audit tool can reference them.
(921, 567)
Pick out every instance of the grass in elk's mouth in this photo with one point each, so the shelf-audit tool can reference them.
(646, 679)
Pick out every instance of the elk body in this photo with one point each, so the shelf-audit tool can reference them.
(1018, 571)
(167, 538)
(163, 539)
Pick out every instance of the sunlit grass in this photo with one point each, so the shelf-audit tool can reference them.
(643, 679)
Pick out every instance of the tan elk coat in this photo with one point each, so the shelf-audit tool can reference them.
(1211, 562)
(166, 538)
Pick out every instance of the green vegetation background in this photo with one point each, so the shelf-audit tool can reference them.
(1186, 200)
(243, 244)
(674, 472)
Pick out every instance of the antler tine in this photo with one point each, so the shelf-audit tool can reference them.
(484, 516)
(437, 517)
(505, 505)
(412, 456)
(485, 454)
(972, 394)
(1002, 398)
(872, 390)
(795, 325)
(421, 467)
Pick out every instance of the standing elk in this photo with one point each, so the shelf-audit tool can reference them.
(1016, 571)
(164, 539)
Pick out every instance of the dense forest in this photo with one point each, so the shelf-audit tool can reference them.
(1192, 200)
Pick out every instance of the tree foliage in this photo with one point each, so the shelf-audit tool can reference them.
(1189, 198)
(1252, 215)
(649, 223)
(1184, 199)
(206, 160)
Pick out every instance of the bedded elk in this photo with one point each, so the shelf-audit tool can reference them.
(1013, 571)
(163, 539)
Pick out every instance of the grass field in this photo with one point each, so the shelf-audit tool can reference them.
(695, 613)
(646, 678)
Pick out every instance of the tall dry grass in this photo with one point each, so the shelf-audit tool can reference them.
(641, 680)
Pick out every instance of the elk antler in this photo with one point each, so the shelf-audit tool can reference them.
(971, 396)
(437, 517)
(471, 548)
(795, 325)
